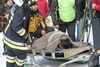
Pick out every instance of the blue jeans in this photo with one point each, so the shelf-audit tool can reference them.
(79, 30)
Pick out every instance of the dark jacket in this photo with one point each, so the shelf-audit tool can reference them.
(82, 4)
(54, 6)
(50, 2)
(16, 31)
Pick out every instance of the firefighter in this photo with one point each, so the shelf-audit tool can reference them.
(37, 27)
(16, 35)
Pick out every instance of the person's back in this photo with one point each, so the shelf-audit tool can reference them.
(14, 25)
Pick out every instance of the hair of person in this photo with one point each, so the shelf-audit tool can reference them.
(65, 43)
(5, 1)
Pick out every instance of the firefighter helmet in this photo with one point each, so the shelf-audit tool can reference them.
(32, 2)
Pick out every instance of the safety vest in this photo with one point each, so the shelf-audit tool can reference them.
(66, 10)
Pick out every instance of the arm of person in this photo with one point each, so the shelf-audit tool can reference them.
(18, 23)
(43, 25)
(77, 4)
(53, 10)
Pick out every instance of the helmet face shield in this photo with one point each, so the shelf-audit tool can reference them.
(19, 2)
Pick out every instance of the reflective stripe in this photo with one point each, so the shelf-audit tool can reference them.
(8, 24)
(20, 60)
(42, 23)
(19, 63)
(9, 57)
(10, 60)
(57, 32)
(53, 41)
(13, 42)
(22, 33)
(14, 46)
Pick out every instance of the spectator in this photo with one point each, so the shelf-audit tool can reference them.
(81, 23)
(67, 15)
